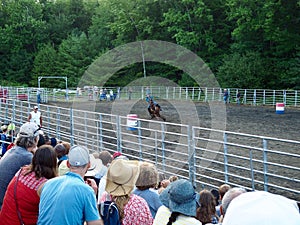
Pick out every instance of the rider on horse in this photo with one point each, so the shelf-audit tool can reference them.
(154, 109)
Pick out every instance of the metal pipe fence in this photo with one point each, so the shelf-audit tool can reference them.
(206, 156)
(205, 94)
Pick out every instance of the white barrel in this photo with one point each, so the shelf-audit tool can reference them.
(279, 108)
(132, 122)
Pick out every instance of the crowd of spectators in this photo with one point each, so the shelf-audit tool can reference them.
(47, 181)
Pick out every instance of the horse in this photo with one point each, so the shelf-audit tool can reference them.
(154, 110)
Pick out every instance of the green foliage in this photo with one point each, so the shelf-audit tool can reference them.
(242, 70)
(246, 43)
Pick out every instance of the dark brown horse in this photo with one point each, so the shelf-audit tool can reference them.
(154, 111)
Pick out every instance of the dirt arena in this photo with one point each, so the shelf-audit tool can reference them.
(256, 120)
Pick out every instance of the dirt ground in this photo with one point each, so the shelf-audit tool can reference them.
(256, 120)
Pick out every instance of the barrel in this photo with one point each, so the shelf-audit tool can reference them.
(132, 122)
(279, 108)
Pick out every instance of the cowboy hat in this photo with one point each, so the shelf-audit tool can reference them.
(121, 177)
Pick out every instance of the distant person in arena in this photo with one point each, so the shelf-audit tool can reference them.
(35, 116)
(154, 110)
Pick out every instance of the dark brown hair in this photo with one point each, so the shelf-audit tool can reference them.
(207, 208)
(44, 162)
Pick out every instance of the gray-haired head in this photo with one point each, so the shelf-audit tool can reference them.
(230, 195)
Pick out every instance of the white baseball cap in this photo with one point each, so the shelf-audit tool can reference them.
(29, 129)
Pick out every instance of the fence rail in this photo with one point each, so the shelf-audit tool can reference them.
(205, 94)
(207, 157)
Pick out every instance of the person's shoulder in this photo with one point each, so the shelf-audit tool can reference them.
(137, 199)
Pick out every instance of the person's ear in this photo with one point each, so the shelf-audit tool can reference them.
(221, 210)
(89, 165)
(68, 164)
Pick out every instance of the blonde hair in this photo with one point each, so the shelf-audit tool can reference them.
(121, 201)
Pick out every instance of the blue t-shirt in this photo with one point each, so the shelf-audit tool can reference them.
(67, 200)
(151, 197)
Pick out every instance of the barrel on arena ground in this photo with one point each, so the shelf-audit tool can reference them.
(279, 108)
(132, 122)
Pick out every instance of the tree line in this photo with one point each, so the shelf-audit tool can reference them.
(246, 43)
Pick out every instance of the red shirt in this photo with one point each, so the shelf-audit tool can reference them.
(137, 212)
(27, 197)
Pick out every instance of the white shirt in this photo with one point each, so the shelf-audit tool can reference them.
(35, 117)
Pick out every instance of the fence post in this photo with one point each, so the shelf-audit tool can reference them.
(274, 97)
(186, 93)
(118, 133)
(58, 123)
(156, 148)
(205, 95)
(71, 127)
(264, 100)
(251, 170)
(140, 139)
(163, 145)
(13, 110)
(296, 96)
(265, 149)
(254, 97)
(225, 158)
(193, 93)
(100, 132)
(85, 128)
(191, 155)
(284, 97)
(167, 92)
(6, 109)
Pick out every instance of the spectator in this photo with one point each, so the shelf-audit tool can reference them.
(3, 139)
(121, 178)
(179, 204)
(41, 140)
(238, 98)
(145, 184)
(21, 154)
(105, 157)
(129, 93)
(161, 177)
(35, 116)
(38, 96)
(62, 157)
(206, 213)
(262, 208)
(69, 199)
(67, 146)
(225, 96)
(222, 190)
(21, 196)
(228, 197)
(216, 195)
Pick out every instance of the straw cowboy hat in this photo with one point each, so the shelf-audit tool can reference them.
(121, 177)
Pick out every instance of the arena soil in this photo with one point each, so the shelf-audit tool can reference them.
(255, 120)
